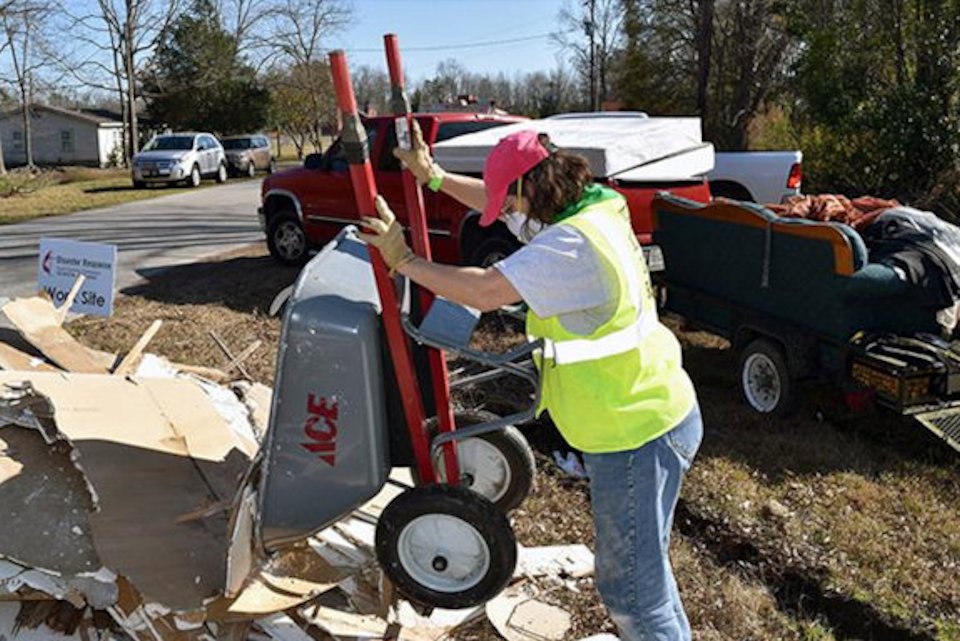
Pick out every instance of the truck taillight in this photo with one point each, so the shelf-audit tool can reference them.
(795, 177)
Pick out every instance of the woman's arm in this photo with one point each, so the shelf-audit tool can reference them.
(485, 289)
(467, 189)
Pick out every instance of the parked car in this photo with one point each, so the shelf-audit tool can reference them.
(305, 207)
(180, 158)
(248, 154)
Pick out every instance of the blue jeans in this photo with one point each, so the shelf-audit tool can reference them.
(633, 495)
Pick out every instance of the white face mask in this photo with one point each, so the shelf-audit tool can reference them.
(522, 226)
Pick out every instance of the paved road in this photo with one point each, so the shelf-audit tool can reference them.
(149, 234)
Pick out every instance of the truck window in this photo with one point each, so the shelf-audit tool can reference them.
(450, 130)
(335, 157)
(389, 162)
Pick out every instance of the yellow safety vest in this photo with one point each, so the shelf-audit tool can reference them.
(624, 384)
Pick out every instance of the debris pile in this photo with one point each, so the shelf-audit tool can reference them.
(129, 488)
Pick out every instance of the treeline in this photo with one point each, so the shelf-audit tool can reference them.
(868, 89)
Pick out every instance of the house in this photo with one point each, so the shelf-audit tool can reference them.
(62, 136)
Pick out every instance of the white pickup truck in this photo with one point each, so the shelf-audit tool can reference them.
(759, 176)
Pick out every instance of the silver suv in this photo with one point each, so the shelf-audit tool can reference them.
(180, 157)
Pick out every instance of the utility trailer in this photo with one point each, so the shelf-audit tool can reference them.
(799, 299)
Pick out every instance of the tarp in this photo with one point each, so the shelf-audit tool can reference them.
(623, 147)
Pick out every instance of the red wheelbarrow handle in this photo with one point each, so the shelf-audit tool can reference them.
(354, 140)
(417, 222)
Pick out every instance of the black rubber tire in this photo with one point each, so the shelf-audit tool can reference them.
(139, 184)
(221, 175)
(251, 169)
(512, 446)
(279, 226)
(195, 178)
(468, 508)
(767, 354)
(272, 167)
(492, 248)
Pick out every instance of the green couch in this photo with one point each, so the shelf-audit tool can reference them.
(729, 263)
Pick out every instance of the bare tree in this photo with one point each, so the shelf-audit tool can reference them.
(247, 21)
(117, 37)
(23, 24)
(300, 27)
(591, 31)
(297, 31)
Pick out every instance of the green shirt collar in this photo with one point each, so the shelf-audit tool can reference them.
(592, 194)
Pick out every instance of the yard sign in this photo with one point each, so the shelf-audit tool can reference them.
(61, 261)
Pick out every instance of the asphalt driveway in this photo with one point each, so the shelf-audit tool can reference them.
(150, 234)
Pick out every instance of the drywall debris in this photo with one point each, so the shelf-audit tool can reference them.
(573, 561)
(519, 616)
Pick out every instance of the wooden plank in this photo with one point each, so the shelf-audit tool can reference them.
(126, 365)
(39, 323)
(71, 295)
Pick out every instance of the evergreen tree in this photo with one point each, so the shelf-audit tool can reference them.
(197, 79)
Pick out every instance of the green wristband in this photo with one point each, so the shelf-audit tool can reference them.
(435, 182)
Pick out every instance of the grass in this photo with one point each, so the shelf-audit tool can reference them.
(52, 193)
(824, 525)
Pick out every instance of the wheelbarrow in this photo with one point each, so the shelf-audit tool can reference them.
(337, 428)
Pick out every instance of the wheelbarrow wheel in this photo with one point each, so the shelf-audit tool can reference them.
(499, 465)
(446, 546)
(765, 378)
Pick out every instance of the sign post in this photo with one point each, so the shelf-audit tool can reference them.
(61, 261)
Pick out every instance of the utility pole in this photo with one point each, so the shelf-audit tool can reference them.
(589, 26)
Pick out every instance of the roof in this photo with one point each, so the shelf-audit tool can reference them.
(90, 115)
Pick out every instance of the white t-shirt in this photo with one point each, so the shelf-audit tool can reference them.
(559, 274)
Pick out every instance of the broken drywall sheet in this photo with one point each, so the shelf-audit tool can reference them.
(46, 504)
(240, 553)
(139, 464)
(39, 322)
(257, 398)
(439, 625)
(573, 561)
(13, 358)
(518, 616)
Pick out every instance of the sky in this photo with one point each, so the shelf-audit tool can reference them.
(485, 36)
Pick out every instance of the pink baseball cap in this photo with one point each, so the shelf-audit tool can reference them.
(513, 156)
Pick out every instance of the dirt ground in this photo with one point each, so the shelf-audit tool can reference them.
(822, 525)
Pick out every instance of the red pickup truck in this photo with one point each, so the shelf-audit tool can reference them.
(305, 207)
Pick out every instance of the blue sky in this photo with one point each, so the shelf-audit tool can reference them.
(452, 25)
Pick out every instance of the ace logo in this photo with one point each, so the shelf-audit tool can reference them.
(321, 428)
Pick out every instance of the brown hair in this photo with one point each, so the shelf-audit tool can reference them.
(555, 183)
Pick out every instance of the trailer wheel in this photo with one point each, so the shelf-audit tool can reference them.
(765, 379)
(498, 465)
(446, 546)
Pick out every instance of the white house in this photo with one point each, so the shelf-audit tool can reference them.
(61, 136)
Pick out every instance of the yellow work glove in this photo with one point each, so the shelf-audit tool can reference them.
(417, 159)
(387, 236)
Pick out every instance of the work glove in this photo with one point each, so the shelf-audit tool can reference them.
(387, 236)
(417, 159)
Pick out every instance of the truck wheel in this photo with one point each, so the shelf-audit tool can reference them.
(446, 546)
(492, 249)
(498, 466)
(222, 173)
(765, 379)
(286, 239)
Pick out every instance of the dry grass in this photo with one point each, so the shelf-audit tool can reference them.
(52, 193)
(868, 546)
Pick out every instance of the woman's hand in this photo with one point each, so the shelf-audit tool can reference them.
(387, 236)
(417, 159)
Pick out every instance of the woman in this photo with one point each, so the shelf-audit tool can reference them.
(611, 374)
